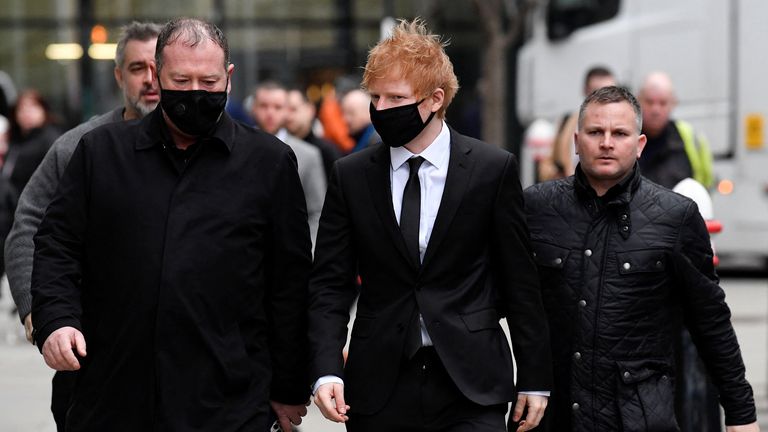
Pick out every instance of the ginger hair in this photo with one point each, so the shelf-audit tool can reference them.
(417, 56)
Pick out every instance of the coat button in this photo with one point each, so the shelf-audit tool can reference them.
(664, 377)
(625, 228)
(577, 355)
(582, 303)
(627, 374)
(624, 217)
(558, 260)
(575, 406)
(534, 254)
(627, 266)
(588, 252)
(658, 263)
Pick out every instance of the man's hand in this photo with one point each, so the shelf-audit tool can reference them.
(330, 399)
(28, 328)
(752, 427)
(58, 349)
(287, 414)
(536, 405)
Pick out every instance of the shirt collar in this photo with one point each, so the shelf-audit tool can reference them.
(437, 153)
(155, 131)
(282, 134)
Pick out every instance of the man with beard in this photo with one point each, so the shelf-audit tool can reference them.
(354, 108)
(300, 122)
(133, 73)
(177, 248)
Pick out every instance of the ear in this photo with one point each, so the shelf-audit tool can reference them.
(641, 140)
(576, 141)
(437, 98)
(119, 76)
(230, 69)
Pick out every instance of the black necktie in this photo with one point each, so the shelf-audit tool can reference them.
(410, 213)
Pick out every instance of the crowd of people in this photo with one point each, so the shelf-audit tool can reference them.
(182, 269)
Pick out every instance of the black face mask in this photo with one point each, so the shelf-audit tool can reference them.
(194, 112)
(399, 125)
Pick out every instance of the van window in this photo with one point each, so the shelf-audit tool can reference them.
(566, 16)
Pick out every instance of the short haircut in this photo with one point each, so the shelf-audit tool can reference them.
(268, 85)
(596, 72)
(417, 56)
(138, 31)
(190, 32)
(300, 91)
(612, 94)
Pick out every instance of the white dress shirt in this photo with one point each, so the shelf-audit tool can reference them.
(432, 175)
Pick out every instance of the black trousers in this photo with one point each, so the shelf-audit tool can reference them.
(425, 399)
(62, 388)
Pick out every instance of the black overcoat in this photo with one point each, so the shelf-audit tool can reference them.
(188, 281)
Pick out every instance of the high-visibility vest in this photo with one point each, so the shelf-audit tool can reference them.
(698, 152)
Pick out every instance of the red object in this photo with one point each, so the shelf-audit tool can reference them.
(335, 128)
(714, 226)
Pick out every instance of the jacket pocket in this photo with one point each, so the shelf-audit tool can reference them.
(646, 396)
(641, 261)
(550, 261)
(481, 320)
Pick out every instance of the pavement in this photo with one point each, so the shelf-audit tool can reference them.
(25, 379)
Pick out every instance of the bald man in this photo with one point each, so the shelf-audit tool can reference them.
(666, 161)
(674, 151)
(355, 106)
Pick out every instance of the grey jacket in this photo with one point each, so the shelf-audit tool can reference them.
(19, 247)
(312, 176)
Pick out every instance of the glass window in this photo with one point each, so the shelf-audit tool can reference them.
(566, 16)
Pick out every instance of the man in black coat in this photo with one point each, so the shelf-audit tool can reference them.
(177, 247)
(622, 261)
(433, 222)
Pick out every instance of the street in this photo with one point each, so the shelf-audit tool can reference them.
(25, 380)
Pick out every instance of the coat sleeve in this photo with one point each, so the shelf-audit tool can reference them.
(708, 318)
(58, 249)
(331, 288)
(19, 246)
(289, 256)
(516, 276)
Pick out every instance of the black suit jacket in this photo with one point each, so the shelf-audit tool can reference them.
(477, 267)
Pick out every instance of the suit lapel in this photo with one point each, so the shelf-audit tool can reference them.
(381, 193)
(460, 168)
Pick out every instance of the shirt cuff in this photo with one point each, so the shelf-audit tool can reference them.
(533, 393)
(325, 380)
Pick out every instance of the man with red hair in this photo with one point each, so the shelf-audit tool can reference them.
(433, 223)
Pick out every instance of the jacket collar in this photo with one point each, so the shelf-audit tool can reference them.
(155, 132)
(616, 199)
(460, 167)
(620, 193)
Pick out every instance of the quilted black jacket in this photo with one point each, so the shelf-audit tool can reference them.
(618, 273)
